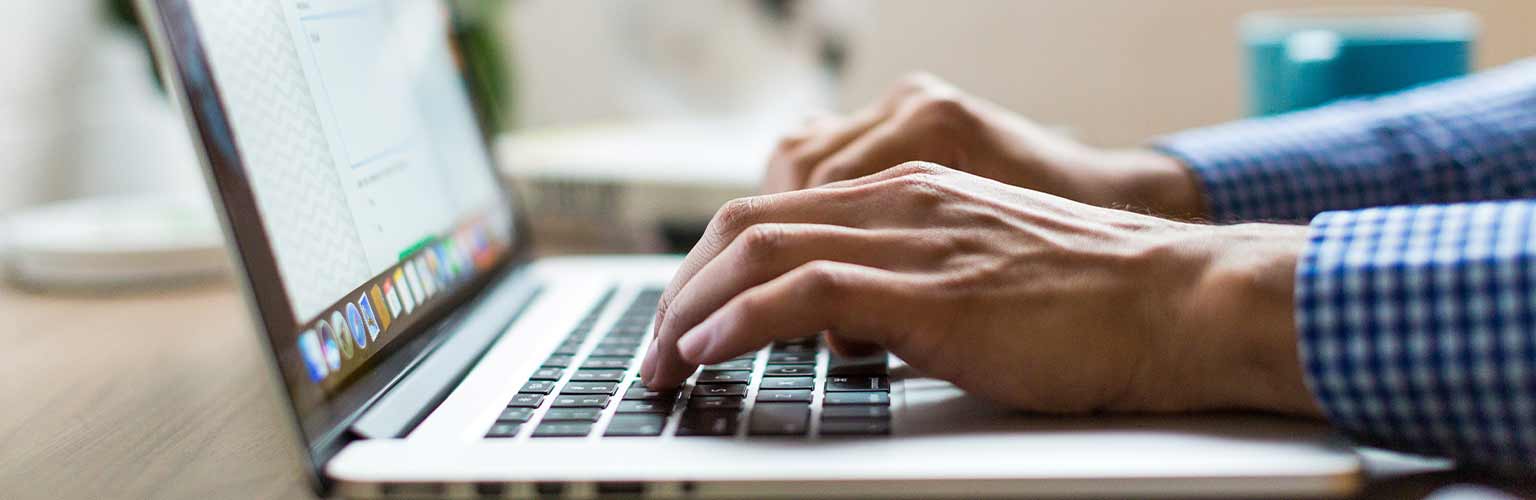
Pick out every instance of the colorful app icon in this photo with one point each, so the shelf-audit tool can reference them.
(405, 290)
(329, 345)
(428, 281)
(314, 359)
(343, 334)
(355, 322)
(440, 263)
(379, 306)
(392, 298)
(417, 292)
(370, 321)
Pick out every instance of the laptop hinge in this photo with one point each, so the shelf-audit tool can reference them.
(406, 403)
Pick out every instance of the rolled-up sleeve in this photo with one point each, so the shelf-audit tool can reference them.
(1417, 328)
(1472, 139)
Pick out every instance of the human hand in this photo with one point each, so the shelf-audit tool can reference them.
(1026, 298)
(926, 119)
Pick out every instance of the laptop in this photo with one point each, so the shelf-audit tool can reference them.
(424, 351)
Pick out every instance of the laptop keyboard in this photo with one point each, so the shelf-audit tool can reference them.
(590, 387)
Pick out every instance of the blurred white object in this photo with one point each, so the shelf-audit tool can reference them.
(111, 242)
(80, 112)
(127, 136)
(43, 47)
(609, 187)
(583, 60)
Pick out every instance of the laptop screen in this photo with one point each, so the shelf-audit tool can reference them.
(367, 171)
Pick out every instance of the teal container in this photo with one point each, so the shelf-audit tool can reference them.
(1304, 58)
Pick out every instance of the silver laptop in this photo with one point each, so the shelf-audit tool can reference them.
(424, 351)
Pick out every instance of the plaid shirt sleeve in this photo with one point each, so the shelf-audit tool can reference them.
(1417, 328)
(1416, 323)
(1472, 139)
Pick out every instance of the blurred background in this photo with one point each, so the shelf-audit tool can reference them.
(625, 122)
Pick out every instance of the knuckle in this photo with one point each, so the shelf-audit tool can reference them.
(736, 214)
(939, 110)
(819, 280)
(913, 168)
(762, 242)
(837, 172)
(922, 189)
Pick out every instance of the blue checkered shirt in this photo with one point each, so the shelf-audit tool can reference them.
(1416, 293)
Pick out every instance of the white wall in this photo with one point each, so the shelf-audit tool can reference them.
(1115, 71)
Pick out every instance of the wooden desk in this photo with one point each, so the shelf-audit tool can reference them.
(164, 395)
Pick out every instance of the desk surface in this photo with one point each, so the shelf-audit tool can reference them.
(164, 395)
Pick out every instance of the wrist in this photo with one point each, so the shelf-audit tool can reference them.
(1237, 321)
(1157, 182)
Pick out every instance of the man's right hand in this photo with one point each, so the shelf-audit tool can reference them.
(926, 119)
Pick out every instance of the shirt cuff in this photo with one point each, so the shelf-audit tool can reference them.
(1415, 328)
(1291, 167)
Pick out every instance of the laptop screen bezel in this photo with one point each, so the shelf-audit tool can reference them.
(184, 63)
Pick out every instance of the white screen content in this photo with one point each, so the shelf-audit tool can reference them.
(356, 131)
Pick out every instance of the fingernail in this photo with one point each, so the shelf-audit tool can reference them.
(692, 344)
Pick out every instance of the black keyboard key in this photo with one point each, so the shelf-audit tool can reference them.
(788, 383)
(636, 424)
(610, 363)
(730, 390)
(642, 406)
(856, 398)
(503, 430)
(792, 358)
(572, 414)
(515, 415)
(790, 371)
(875, 364)
(858, 383)
(558, 361)
(639, 391)
(580, 401)
(526, 401)
(597, 376)
(849, 411)
(708, 423)
(780, 419)
(750, 355)
(806, 340)
(628, 351)
(795, 348)
(574, 387)
(724, 377)
(790, 396)
(537, 387)
(855, 427)
(713, 403)
(735, 364)
(562, 429)
(630, 328)
(547, 374)
(569, 347)
(611, 341)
